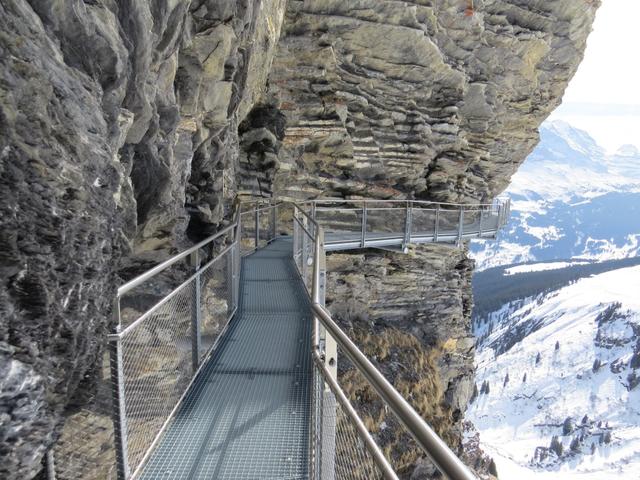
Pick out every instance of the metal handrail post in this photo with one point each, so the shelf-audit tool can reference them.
(296, 237)
(118, 415)
(195, 313)
(445, 460)
(436, 225)
(274, 220)
(364, 224)
(481, 218)
(257, 228)
(460, 226)
(303, 253)
(407, 227)
(317, 284)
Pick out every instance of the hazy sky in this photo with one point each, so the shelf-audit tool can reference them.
(609, 75)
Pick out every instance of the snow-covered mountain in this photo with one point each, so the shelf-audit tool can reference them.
(569, 200)
(558, 374)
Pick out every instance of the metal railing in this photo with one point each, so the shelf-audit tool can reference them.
(377, 223)
(162, 339)
(156, 357)
(328, 456)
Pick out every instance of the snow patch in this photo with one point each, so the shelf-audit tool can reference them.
(539, 267)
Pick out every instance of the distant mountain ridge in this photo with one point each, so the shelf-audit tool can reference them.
(569, 200)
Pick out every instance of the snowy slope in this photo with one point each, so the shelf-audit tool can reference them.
(579, 348)
(569, 200)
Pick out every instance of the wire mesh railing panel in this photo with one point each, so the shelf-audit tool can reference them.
(490, 219)
(340, 451)
(423, 221)
(385, 222)
(304, 247)
(448, 222)
(353, 461)
(340, 220)
(85, 447)
(400, 449)
(216, 300)
(471, 222)
(156, 368)
(266, 226)
(315, 437)
(248, 231)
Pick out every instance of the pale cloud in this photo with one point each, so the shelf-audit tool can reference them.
(608, 78)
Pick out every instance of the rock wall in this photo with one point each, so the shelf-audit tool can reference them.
(127, 128)
(118, 141)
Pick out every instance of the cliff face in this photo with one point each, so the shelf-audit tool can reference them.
(119, 137)
(128, 127)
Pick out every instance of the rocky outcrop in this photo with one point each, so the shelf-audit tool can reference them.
(396, 98)
(128, 128)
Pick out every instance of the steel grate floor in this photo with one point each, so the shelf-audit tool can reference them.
(247, 414)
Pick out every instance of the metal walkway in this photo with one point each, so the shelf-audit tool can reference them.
(233, 372)
(247, 414)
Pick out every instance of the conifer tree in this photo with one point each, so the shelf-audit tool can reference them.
(556, 446)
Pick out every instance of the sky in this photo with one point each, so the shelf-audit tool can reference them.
(604, 96)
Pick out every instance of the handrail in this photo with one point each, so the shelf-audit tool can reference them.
(405, 201)
(140, 279)
(441, 455)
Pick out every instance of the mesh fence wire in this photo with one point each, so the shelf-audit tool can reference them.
(346, 221)
(448, 222)
(423, 221)
(266, 220)
(471, 221)
(216, 300)
(490, 219)
(157, 351)
(385, 222)
(341, 452)
(85, 447)
(157, 367)
(248, 231)
(266, 226)
(400, 449)
(303, 248)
